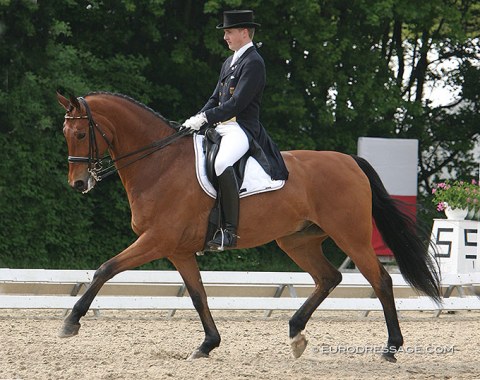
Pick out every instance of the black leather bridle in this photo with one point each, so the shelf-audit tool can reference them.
(95, 162)
(93, 159)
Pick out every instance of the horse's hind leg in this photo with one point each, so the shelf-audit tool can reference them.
(356, 243)
(368, 264)
(306, 251)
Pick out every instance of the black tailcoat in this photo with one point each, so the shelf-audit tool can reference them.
(238, 94)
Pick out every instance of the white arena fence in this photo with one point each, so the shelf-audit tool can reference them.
(165, 290)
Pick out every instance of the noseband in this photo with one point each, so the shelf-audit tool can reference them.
(95, 162)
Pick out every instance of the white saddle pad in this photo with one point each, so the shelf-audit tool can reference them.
(256, 180)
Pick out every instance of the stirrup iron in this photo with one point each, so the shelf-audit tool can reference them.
(214, 244)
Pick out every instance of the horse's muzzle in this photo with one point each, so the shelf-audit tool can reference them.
(80, 185)
(84, 185)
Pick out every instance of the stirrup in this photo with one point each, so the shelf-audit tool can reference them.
(222, 234)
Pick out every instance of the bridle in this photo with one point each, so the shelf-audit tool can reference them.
(95, 162)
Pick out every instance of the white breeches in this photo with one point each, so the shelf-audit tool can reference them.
(233, 146)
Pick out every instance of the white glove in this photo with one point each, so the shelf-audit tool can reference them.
(195, 122)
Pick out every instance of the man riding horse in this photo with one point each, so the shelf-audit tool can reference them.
(233, 109)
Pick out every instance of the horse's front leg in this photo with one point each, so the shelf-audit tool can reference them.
(188, 269)
(140, 252)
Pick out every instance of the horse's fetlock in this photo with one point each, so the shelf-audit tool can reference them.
(295, 327)
(210, 342)
(213, 341)
(395, 341)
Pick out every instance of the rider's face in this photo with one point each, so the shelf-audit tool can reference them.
(236, 38)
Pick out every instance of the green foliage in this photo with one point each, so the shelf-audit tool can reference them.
(336, 71)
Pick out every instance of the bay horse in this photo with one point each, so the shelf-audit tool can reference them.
(328, 195)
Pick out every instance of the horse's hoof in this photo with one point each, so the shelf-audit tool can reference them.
(389, 357)
(69, 330)
(298, 343)
(197, 354)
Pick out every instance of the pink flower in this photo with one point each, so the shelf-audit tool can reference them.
(440, 206)
(434, 191)
(474, 182)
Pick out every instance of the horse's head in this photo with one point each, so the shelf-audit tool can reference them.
(86, 143)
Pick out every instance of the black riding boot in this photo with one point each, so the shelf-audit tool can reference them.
(229, 200)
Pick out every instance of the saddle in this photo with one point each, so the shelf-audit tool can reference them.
(211, 145)
(251, 171)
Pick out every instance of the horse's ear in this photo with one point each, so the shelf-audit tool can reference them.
(74, 102)
(64, 102)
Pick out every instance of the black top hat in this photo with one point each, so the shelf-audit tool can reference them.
(237, 19)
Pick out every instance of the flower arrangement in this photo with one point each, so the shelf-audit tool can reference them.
(456, 194)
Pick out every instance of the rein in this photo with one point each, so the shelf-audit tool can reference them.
(95, 163)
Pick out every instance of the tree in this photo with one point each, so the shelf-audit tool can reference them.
(336, 70)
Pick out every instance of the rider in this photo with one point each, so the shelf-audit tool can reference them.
(234, 109)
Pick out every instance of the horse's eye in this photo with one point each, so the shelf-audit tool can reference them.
(81, 135)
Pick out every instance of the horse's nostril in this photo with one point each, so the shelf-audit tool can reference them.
(79, 185)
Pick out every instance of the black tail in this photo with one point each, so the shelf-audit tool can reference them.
(407, 241)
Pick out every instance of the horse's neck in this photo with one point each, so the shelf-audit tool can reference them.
(134, 130)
